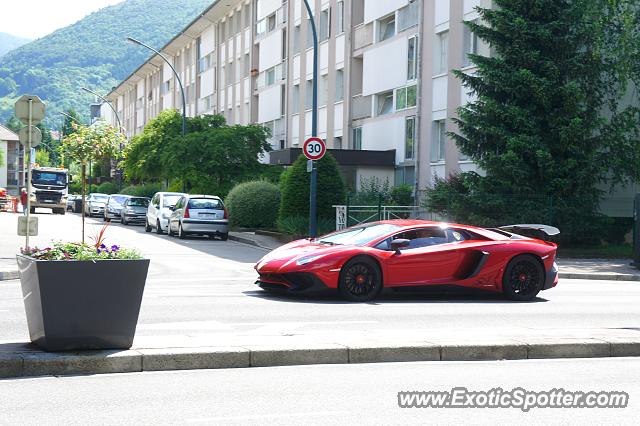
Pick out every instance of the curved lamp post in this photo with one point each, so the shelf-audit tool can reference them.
(184, 99)
(313, 217)
(120, 128)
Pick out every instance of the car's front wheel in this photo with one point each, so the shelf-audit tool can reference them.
(360, 280)
(158, 227)
(147, 227)
(181, 233)
(523, 279)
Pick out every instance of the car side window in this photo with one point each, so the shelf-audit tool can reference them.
(418, 238)
(156, 201)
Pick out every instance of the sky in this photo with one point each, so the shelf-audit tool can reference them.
(36, 18)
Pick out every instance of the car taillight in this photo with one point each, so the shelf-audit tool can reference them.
(226, 214)
(186, 213)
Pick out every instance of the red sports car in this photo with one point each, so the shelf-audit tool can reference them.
(361, 260)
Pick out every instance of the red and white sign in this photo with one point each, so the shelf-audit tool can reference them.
(314, 148)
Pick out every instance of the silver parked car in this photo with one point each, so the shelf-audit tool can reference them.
(134, 210)
(94, 204)
(113, 208)
(199, 214)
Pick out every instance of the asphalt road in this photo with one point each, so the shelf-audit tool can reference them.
(318, 395)
(204, 288)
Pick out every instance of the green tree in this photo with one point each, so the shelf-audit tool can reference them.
(210, 158)
(547, 125)
(87, 144)
(253, 204)
(42, 157)
(71, 121)
(294, 186)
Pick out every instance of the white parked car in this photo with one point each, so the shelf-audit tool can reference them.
(159, 211)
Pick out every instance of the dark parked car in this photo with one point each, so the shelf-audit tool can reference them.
(134, 210)
(71, 202)
(113, 208)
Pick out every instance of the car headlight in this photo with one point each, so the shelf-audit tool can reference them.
(307, 259)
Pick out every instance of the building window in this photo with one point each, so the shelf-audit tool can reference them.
(410, 138)
(246, 65)
(325, 25)
(247, 16)
(337, 142)
(271, 22)
(282, 145)
(295, 99)
(270, 76)
(357, 138)
(439, 140)
(323, 88)
(408, 16)
(309, 34)
(406, 97)
(339, 85)
(442, 46)
(283, 100)
(296, 40)
(387, 27)
(470, 45)
(384, 103)
(412, 63)
(309, 95)
(340, 17)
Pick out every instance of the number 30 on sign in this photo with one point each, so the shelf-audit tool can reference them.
(314, 148)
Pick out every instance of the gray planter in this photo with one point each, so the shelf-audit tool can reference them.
(73, 305)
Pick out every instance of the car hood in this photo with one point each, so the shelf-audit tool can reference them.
(297, 250)
(137, 209)
(97, 203)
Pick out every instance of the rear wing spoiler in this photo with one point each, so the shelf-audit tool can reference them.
(542, 232)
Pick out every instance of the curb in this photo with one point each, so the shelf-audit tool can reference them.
(248, 241)
(9, 275)
(31, 364)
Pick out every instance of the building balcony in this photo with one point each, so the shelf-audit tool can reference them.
(361, 107)
(362, 36)
(344, 157)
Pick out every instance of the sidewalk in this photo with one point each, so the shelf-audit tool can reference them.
(586, 269)
(224, 350)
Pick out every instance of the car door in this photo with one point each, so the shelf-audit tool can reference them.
(431, 258)
(152, 212)
(176, 214)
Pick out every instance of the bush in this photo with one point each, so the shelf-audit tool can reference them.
(76, 188)
(294, 186)
(253, 204)
(146, 190)
(107, 188)
(299, 225)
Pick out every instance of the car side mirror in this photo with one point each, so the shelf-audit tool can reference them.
(399, 243)
(172, 208)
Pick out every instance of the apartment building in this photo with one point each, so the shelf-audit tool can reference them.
(386, 93)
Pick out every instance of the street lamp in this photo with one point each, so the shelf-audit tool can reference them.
(184, 99)
(120, 129)
(80, 123)
(313, 217)
(108, 103)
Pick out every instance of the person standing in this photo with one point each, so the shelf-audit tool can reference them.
(23, 200)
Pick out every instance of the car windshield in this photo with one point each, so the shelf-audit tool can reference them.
(99, 198)
(205, 203)
(170, 200)
(358, 235)
(138, 202)
(48, 178)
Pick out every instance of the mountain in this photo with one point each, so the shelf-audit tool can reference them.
(91, 53)
(9, 42)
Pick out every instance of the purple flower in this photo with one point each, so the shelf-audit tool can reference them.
(99, 251)
(102, 246)
(115, 248)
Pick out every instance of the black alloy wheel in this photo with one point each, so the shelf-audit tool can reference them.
(360, 280)
(523, 279)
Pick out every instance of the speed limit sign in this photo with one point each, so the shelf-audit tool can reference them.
(314, 148)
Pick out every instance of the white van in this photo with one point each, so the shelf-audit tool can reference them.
(159, 211)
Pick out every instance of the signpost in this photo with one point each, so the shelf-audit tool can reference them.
(314, 149)
(29, 110)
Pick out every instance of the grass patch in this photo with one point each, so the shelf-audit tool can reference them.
(612, 251)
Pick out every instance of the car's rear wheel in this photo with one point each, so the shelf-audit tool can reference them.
(169, 231)
(158, 227)
(523, 279)
(147, 227)
(181, 233)
(360, 280)
(224, 237)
